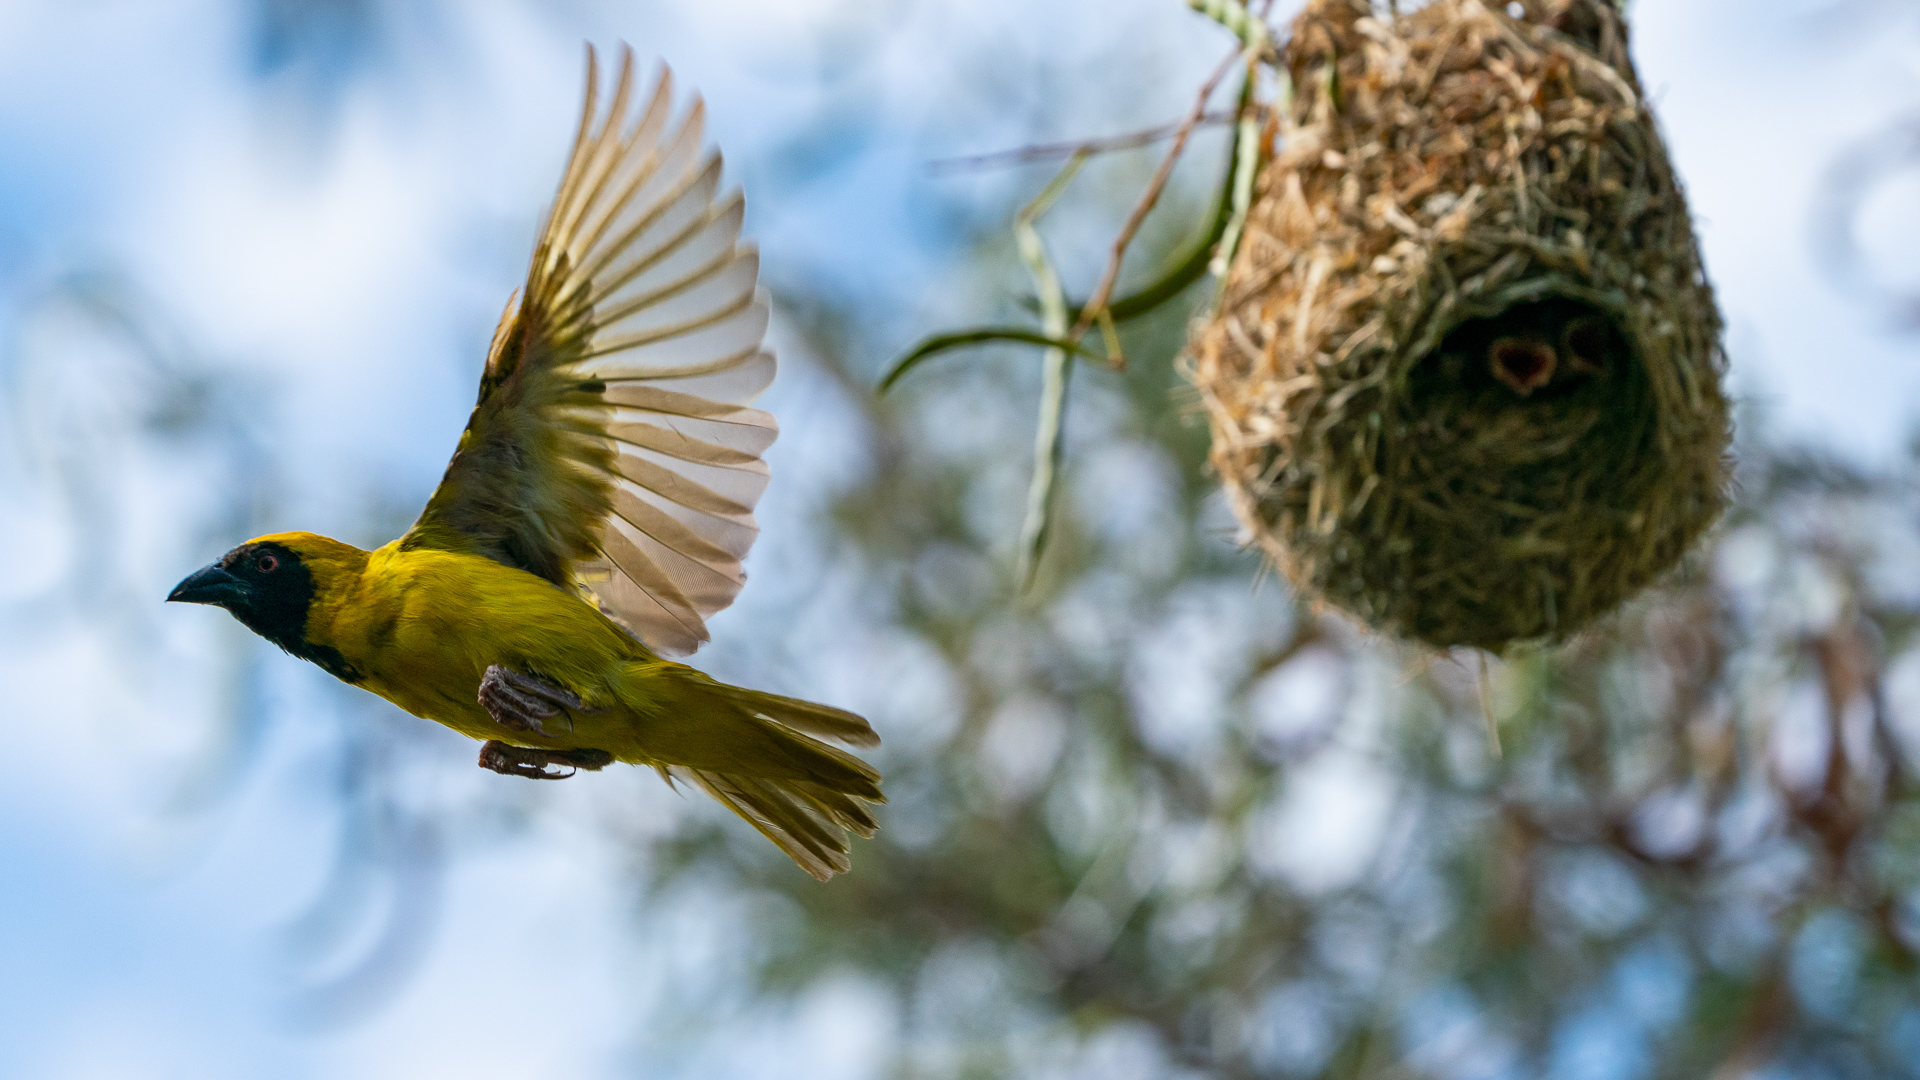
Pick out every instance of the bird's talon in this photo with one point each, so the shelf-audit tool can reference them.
(518, 701)
(531, 762)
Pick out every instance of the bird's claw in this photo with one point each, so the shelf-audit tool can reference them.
(518, 701)
(531, 762)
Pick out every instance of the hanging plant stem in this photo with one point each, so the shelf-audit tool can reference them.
(941, 343)
(1251, 30)
(1048, 441)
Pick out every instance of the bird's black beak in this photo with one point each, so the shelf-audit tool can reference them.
(208, 585)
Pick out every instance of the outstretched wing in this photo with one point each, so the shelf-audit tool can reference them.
(611, 449)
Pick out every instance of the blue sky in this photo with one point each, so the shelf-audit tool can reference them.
(139, 943)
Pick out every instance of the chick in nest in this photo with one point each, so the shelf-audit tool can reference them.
(1540, 350)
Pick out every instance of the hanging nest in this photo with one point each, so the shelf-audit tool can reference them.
(1465, 377)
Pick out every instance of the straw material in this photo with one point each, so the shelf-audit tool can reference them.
(1465, 376)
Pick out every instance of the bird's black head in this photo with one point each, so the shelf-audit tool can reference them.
(263, 583)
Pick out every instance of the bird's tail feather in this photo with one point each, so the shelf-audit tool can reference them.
(820, 721)
(806, 820)
(762, 757)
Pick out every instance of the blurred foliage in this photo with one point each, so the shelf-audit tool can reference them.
(1870, 167)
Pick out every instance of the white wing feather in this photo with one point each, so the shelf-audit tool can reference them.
(642, 236)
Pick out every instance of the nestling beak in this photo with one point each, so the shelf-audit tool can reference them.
(1525, 364)
(208, 585)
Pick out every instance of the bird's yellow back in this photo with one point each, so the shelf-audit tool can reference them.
(422, 626)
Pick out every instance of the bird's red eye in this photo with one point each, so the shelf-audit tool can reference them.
(267, 564)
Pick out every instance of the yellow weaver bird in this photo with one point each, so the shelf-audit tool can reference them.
(594, 515)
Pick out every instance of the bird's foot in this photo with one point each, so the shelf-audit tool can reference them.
(532, 762)
(518, 701)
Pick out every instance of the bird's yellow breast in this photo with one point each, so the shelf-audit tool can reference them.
(422, 626)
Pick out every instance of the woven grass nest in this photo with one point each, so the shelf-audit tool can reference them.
(1465, 377)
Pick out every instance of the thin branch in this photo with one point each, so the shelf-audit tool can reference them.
(1050, 151)
(1145, 206)
(1190, 268)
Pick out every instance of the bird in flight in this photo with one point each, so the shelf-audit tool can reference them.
(594, 515)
